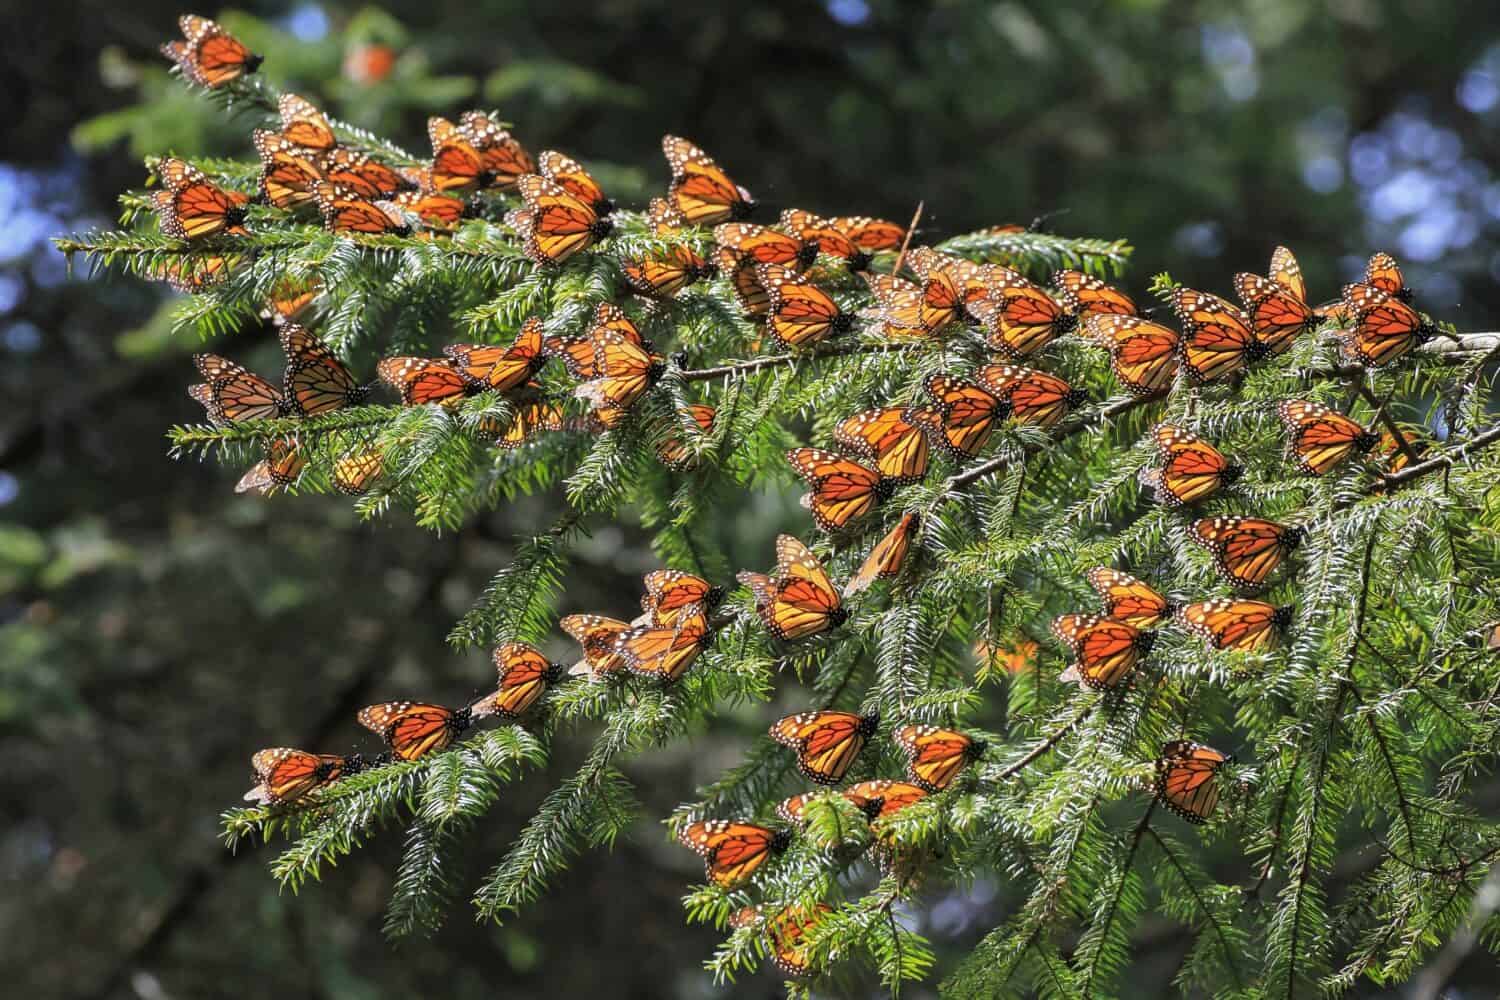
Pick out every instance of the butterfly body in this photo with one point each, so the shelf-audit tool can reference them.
(1106, 649)
(414, 729)
(1245, 549)
(934, 756)
(1129, 599)
(826, 742)
(1320, 438)
(731, 850)
(1192, 469)
(284, 774)
(798, 600)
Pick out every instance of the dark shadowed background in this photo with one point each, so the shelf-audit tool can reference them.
(155, 629)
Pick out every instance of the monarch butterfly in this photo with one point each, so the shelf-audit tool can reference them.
(973, 281)
(911, 310)
(887, 557)
(1385, 328)
(353, 473)
(662, 217)
(1185, 779)
(1143, 355)
(842, 490)
(752, 244)
(1277, 306)
(208, 55)
(413, 729)
(826, 742)
(501, 155)
(625, 371)
(826, 236)
(1389, 451)
(870, 235)
(193, 274)
(934, 756)
(799, 313)
(1217, 338)
(236, 393)
(731, 850)
(1091, 296)
(191, 207)
(1236, 624)
(1128, 599)
(572, 178)
(360, 174)
(1192, 469)
(672, 594)
(577, 353)
(288, 171)
(501, 368)
(700, 190)
(673, 451)
(898, 448)
(524, 676)
(315, 381)
(1021, 319)
(794, 809)
(892, 796)
(965, 415)
(424, 380)
(1382, 271)
(556, 225)
(1246, 549)
(664, 277)
(753, 297)
(290, 299)
(303, 124)
(344, 212)
(596, 634)
(1321, 438)
(664, 652)
(282, 465)
(456, 166)
(1029, 396)
(284, 774)
(529, 418)
(798, 600)
(437, 211)
(1105, 649)
(786, 930)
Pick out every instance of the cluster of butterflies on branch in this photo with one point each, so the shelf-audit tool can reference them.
(774, 274)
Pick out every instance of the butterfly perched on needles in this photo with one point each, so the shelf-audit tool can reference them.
(624, 368)
(361, 174)
(1143, 354)
(346, 212)
(664, 652)
(574, 179)
(898, 448)
(192, 274)
(787, 931)
(437, 211)
(500, 154)
(1090, 296)
(529, 417)
(1129, 599)
(797, 600)
(208, 55)
(457, 167)
(1384, 327)
(524, 675)
(842, 490)
(191, 207)
(1230, 623)
(501, 368)
(1105, 650)
(315, 381)
(732, 850)
(935, 756)
(288, 171)
(826, 742)
(356, 470)
(425, 380)
(752, 244)
(663, 276)
(284, 774)
(1217, 338)
(1319, 438)
(1020, 317)
(887, 557)
(907, 309)
(232, 393)
(1276, 305)
(753, 297)
(555, 224)
(674, 451)
(799, 313)
(794, 808)
(962, 418)
(1185, 783)
(700, 191)
(890, 796)
(869, 234)
(672, 594)
(282, 466)
(303, 124)
(414, 729)
(826, 236)
(1389, 452)
(1191, 469)
(596, 634)
(1246, 550)
(1029, 396)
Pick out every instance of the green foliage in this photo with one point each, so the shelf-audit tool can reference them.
(1363, 733)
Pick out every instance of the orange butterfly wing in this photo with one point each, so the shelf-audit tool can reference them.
(1192, 469)
(1129, 599)
(700, 191)
(1184, 779)
(1321, 438)
(286, 774)
(800, 313)
(966, 415)
(934, 755)
(1245, 549)
(842, 490)
(596, 634)
(1217, 339)
(501, 368)
(1236, 624)
(898, 448)
(1143, 355)
(1030, 396)
(1277, 316)
(1093, 296)
(524, 675)
(315, 380)
(413, 729)
(799, 600)
(1106, 649)
(826, 742)
(887, 557)
(732, 851)
(424, 380)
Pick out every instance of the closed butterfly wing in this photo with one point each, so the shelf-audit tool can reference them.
(1384, 273)
(414, 729)
(732, 851)
(966, 415)
(1318, 438)
(671, 593)
(1217, 339)
(1021, 321)
(424, 380)
(700, 191)
(530, 418)
(1192, 469)
(934, 755)
(596, 634)
(524, 674)
(1384, 328)
(303, 124)
(285, 774)
(826, 742)
(457, 167)
(825, 237)
(208, 55)
(1030, 396)
(192, 207)
(663, 277)
(502, 369)
(315, 380)
(800, 313)
(571, 177)
(360, 174)
(664, 652)
(892, 796)
(763, 245)
(344, 212)
(898, 448)
(437, 211)
(237, 393)
(1106, 650)
(1143, 354)
(356, 470)
(560, 224)
(1093, 296)
(1129, 599)
(1277, 316)
(1286, 272)
(1226, 623)
(501, 155)
(842, 490)
(799, 601)
(887, 557)
(288, 171)
(1185, 779)
(1246, 550)
(869, 234)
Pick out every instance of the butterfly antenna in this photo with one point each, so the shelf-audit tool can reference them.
(911, 229)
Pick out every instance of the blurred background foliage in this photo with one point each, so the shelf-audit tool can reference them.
(155, 629)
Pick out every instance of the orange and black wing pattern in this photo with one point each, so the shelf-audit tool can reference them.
(285, 774)
(1143, 354)
(1319, 438)
(935, 755)
(884, 797)
(413, 729)
(664, 652)
(908, 309)
(1128, 599)
(235, 393)
(288, 171)
(355, 471)
(1185, 779)
(596, 634)
(700, 191)
(1382, 272)
(826, 742)
(1230, 623)
(1277, 304)
(360, 174)
(887, 557)
(557, 224)
(345, 212)
(672, 594)
(1217, 339)
(315, 380)
(1191, 470)
(208, 55)
(191, 207)
(673, 451)
(1246, 550)
(425, 380)
(1030, 396)
(1106, 650)
(963, 418)
(1384, 327)
(1021, 319)
(624, 372)
(799, 313)
(1092, 296)
(732, 851)
(870, 235)
(572, 178)
(502, 369)
(752, 244)
(524, 676)
(663, 277)
(898, 448)
(842, 490)
(798, 600)
(825, 236)
(501, 155)
(303, 124)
